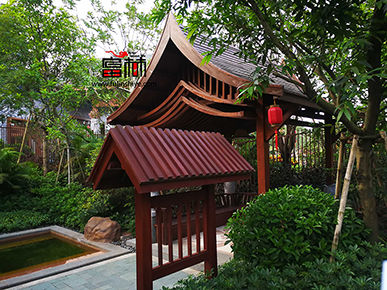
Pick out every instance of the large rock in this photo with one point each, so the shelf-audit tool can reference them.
(99, 229)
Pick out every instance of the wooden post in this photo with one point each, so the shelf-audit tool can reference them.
(24, 138)
(263, 168)
(339, 175)
(344, 194)
(143, 241)
(210, 227)
(329, 149)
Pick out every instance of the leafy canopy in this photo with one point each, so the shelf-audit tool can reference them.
(45, 62)
(335, 48)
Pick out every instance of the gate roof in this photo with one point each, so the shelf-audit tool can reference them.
(161, 159)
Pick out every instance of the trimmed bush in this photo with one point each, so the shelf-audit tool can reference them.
(290, 225)
(22, 220)
(357, 268)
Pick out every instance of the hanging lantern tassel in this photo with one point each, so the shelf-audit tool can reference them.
(276, 140)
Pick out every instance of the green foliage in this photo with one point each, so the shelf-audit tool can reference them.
(85, 147)
(22, 220)
(282, 175)
(73, 205)
(45, 64)
(357, 268)
(290, 225)
(63, 203)
(13, 177)
(66, 205)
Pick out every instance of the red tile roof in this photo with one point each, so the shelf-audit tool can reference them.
(160, 159)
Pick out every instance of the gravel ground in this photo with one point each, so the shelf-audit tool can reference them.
(122, 243)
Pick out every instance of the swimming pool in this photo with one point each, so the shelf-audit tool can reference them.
(34, 254)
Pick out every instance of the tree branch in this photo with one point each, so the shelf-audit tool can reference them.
(309, 91)
(324, 79)
(290, 80)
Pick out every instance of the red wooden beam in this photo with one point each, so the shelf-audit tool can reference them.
(211, 263)
(169, 268)
(143, 241)
(263, 168)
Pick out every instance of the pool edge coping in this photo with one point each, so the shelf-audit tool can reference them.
(111, 251)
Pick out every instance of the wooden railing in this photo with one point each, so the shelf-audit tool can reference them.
(194, 213)
(168, 219)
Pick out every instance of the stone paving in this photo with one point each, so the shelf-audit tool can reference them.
(117, 273)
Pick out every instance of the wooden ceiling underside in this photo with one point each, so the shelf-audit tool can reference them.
(191, 108)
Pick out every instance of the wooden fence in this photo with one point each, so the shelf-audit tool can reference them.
(12, 136)
(296, 158)
(300, 149)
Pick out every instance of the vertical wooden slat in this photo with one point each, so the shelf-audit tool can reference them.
(205, 81)
(229, 95)
(159, 235)
(223, 90)
(217, 88)
(197, 208)
(205, 222)
(144, 241)
(179, 231)
(189, 73)
(210, 239)
(210, 90)
(189, 240)
(170, 241)
(198, 74)
(194, 80)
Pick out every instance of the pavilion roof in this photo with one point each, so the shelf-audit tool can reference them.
(184, 96)
(156, 159)
(230, 62)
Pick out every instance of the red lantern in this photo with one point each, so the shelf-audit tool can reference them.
(275, 115)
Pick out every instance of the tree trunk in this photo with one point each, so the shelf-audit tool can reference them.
(366, 191)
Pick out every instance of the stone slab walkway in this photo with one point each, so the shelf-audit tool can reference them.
(117, 273)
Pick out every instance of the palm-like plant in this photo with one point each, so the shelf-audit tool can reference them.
(13, 176)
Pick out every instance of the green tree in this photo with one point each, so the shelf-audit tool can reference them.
(337, 49)
(119, 29)
(46, 65)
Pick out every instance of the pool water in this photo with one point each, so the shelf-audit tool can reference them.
(36, 253)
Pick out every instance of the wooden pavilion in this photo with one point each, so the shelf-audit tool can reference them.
(178, 92)
(155, 159)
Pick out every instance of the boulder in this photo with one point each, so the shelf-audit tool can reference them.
(104, 230)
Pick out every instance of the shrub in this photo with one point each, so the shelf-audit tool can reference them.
(13, 177)
(21, 220)
(289, 225)
(73, 205)
(355, 269)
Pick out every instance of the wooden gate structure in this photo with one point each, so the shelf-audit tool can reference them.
(179, 92)
(156, 159)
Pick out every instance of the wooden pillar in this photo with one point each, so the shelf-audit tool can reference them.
(263, 166)
(143, 241)
(329, 139)
(210, 227)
